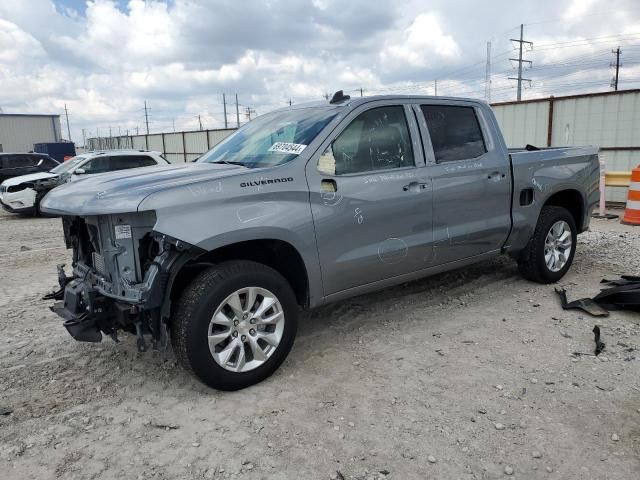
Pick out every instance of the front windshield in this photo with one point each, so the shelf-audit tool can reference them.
(64, 167)
(272, 139)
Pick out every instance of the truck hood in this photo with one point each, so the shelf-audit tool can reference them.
(32, 177)
(123, 190)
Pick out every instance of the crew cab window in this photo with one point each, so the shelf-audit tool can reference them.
(455, 132)
(377, 139)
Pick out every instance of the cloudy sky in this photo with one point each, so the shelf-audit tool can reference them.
(103, 58)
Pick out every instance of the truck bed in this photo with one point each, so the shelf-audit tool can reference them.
(540, 174)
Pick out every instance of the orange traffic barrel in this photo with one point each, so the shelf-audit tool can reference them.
(632, 212)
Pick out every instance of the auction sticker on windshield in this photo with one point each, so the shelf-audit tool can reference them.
(123, 231)
(285, 147)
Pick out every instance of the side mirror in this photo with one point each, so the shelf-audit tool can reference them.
(80, 171)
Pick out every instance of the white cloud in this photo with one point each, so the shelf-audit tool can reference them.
(180, 55)
(423, 42)
(16, 45)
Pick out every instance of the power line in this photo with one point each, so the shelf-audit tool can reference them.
(66, 113)
(520, 61)
(224, 103)
(616, 52)
(146, 116)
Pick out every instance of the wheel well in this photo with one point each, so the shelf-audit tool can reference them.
(572, 201)
(279, 255)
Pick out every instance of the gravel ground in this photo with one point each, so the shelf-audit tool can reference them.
(465, 375)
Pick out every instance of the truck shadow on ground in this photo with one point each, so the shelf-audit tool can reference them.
(429, 291)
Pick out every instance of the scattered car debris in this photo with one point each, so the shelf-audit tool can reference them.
(600, 345)
(622, 294)
(586, 304)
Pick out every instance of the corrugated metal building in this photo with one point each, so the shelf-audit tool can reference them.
(610, 120)
(18, 132)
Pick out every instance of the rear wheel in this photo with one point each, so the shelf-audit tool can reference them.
(551, 249)
(235, 324)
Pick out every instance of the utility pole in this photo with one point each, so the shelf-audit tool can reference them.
(614, 81)
(66, 113)
(290, 102)
(174, 124)
(237, 112)
(521, 61)
(224, 102)
(84, 136)
(361, 91)
(435, 87)
(200, 121)
(137, 130)
(248, 112)
(146, 116)
(487, 75)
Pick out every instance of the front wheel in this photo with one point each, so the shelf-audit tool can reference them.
(235, 324)
(550, 251)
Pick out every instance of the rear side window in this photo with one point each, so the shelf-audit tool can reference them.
(19, 161)
(132, 161)
(455, 132)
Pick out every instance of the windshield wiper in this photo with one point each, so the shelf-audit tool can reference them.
(230, 162)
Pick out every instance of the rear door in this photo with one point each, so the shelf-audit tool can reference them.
(471, 181)
(370, 199)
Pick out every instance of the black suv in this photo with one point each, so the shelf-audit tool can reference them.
(14, 164)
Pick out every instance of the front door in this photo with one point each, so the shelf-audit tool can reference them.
(371, 199)
(471, 182)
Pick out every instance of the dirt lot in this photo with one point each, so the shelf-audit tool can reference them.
(466, 375)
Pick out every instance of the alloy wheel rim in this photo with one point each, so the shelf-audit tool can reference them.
(557, 246)
(246, 329)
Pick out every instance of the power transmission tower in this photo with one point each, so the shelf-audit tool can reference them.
(520, 61)
(224, 102)
(237, 112)
(248, 112)
(361, 91)
(614, 81)
(200, 121)
(66, 113)
(487, 75)
(290, 102)
(84, 138)
(435, 87)
(146, 116)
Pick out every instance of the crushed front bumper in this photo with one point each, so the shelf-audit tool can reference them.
(86, 312)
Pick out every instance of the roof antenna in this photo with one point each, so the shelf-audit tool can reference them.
(338, 97)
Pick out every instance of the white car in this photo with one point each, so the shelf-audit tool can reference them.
(23, 194)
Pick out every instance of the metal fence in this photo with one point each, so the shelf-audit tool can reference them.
(610, 120)
(176, 146)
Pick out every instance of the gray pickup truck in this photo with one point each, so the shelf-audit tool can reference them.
(304, 206)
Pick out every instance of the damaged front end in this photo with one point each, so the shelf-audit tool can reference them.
(121, 268)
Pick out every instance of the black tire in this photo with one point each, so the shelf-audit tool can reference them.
(193, 312)
(532, 263)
